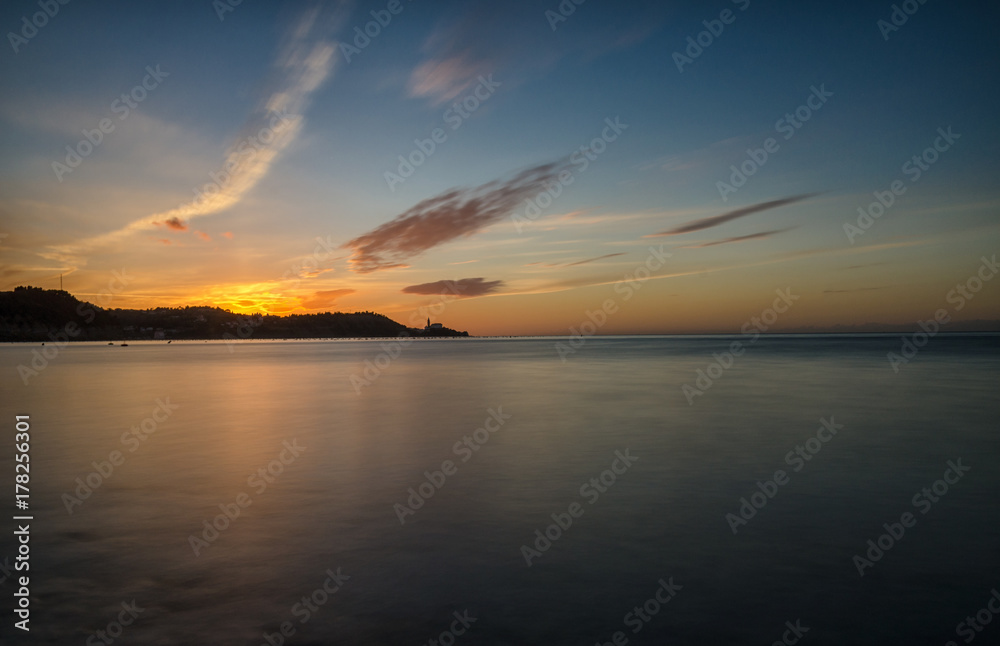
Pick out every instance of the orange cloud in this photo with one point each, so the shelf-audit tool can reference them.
(228, 235)
(574, 264)
(313, 273)
(453, 214)
(306, 59)
(174, 223)
(464, 288)
(203, 235)
(716, 220)
(589, 260)
(442, 79)
(752, 236)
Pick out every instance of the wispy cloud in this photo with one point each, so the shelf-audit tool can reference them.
(752, 236)
(303, 64)
(698, 158)
(488, 37)
(441, 80)
(174, 223)
(602, 279)
(463, 288)
(573, 264)
(849, 291)
(716, 220)
(453, 214)
(590, 260)
(455, 54)
(609, 279)
(586, 218)
(305, 272)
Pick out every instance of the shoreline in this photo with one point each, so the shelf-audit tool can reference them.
(690, 336)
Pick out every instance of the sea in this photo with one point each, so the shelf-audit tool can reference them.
(606, 490)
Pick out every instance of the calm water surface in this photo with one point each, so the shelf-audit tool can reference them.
(332, 504)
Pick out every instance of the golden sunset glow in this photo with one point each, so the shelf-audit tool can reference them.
(320, 193)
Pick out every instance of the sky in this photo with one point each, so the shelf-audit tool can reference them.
(507, 168)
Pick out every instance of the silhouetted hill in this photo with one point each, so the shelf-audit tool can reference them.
(35, 314)
(31, 313)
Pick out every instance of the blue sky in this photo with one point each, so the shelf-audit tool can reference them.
(130, 204)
